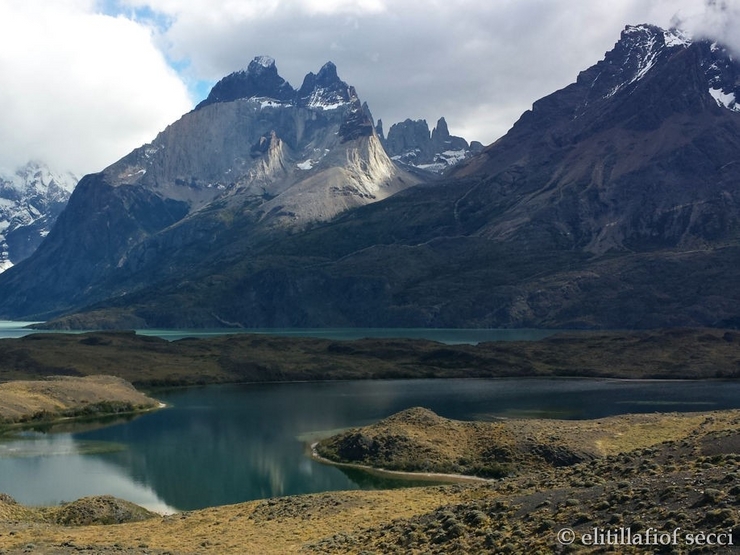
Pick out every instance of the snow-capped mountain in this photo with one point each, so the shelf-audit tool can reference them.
(410, 143)
(30, 201)
(641, 149)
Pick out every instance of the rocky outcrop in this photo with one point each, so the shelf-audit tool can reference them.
(410, 143)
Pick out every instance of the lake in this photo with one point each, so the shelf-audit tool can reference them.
(225, 444)
(11, 329)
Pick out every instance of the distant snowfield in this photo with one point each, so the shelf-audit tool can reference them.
(28, 195)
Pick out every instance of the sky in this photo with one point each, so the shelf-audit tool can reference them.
(84, 82)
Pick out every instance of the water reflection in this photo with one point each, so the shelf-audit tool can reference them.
(225, 444)
(52, 469)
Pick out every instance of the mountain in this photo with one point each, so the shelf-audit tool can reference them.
(31, 199)
(257, 157)
(410, 143)
(612, 203)
(639, 153)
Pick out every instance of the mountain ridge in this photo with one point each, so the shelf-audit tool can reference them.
(272, 164)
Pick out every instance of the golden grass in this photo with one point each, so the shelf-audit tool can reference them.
(253, 527)
(65, 396)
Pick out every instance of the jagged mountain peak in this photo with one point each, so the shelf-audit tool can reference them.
(261, 63)
(652, 34)
(327, 74)
(410, 143)
(639, 49)
(323, 90)
(636, 152)
(260, 79)
(324, 113)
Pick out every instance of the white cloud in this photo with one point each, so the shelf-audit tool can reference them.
(101, 83)
(79, 89)
(718, 20)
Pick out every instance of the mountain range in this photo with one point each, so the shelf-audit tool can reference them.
(412, 144)
(31, 199)
(612, 203)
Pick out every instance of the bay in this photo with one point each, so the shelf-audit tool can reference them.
(224, 444)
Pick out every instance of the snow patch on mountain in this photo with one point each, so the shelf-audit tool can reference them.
(725, 100)
(676, 37)
(31, 198)
(645, 45)
(328, 100)
(264, 61)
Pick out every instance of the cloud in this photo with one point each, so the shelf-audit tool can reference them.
(80, 89)
(84, 88)
(479, 64)
(717, 20)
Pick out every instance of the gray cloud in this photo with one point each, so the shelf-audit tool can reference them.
(479, 64)
(96, 86)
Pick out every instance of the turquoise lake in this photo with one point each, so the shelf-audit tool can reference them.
(225, 444)
(11, 329)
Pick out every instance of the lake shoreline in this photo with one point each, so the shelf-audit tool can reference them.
(525, 510)
(399, 474)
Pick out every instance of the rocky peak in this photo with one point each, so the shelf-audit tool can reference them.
(440, 132)
(325, 90)
(327, 75)
(636, 153)
(260, 79)
(411, 143)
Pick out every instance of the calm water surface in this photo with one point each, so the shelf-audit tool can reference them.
(225, 444)
(11, 329)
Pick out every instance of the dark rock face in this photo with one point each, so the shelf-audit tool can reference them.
(261, 79)
(410, 143)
